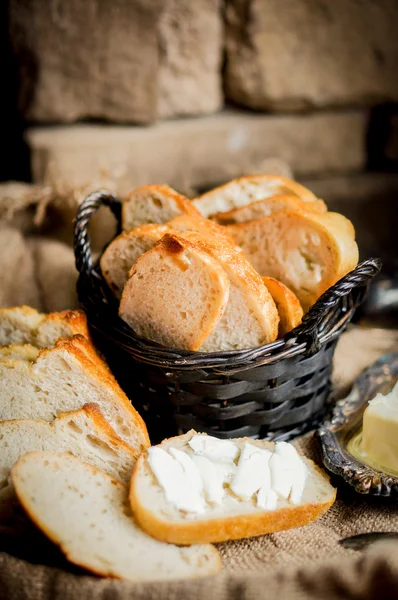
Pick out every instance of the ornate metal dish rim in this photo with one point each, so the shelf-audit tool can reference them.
(346, 414)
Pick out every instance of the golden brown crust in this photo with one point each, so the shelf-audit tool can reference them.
(75, 319)
(201, 225)
(287, 303)
(222, 530)
(271, 204)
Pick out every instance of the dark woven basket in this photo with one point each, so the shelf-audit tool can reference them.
(275, 391)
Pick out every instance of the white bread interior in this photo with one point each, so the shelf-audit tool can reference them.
(84, 433)
(63, 379)
(176, 294)
(244, 190)
(86, 513)
(306, 251)
(25, 325)
(154, 204)
(234, 518)
(266, 207)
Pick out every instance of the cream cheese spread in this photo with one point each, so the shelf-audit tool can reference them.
(212, 468)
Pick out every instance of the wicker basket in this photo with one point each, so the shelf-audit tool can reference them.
(275, 391)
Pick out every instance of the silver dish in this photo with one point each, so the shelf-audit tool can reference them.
(337, 435)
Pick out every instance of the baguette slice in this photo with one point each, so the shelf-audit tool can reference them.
(124, 250)
(86, 513)
(287, 303)
(176, 294)
(234, 518)
(306, 251)
(25, 325)
(84, 433)
(266, 207)
(244, 190)
(63, 379)
(251, 317)
(154, 204)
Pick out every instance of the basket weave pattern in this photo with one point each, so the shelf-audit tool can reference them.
(275, 391)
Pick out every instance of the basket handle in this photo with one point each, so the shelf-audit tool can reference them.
(308, 329)
(81, 238)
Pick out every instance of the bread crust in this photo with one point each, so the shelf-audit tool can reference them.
(229, 528)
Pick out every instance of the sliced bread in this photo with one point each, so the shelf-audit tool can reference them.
(179, 502)
(251, 317)
(86, 513)
(25, 325)
(268, 206)
(203, 226)
(84, 433)
(244, 190)
(154, 204)
(306, 251)
(287, 303)
(176, 294)
(123, 251)
(63, 379)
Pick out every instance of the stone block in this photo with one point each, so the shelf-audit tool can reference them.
(289, 55)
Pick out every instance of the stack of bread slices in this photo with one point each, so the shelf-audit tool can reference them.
(235, 268)
(75, 455)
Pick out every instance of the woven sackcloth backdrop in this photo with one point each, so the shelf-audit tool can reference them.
(299, 564)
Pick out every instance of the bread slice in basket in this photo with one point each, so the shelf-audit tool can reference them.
(223, 516)
(123, 251)
(176, 294)
(251, 317)
(25, 325)
(306, 251)
(154, 204)
(287, 303)
(87, 514)
(268, 206)
(63, 379)
(244, 190)
(84, 433)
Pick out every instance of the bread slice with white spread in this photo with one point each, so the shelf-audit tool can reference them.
(195, 488)
(86, 513)
(154, 204)
(25, 325)
(268, 206)
(63, 379)
(244, 190)
(176, 294)
(306, 251)
(287, 303)
(84, 433)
